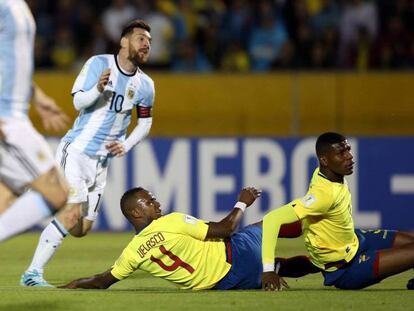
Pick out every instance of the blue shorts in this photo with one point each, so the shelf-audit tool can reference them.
(362, 270)
(246, 256)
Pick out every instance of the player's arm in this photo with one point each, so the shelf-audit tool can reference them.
(229, 224)
(141, 131)
(84, 99)
(271, 226)
(99, 281)
(314, 203)
(52, 116)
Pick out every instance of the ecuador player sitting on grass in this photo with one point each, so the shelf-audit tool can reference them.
(348, 258)
(191, 253)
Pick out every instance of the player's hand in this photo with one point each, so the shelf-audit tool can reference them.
(248, 195)
(273, 282)
(52, 116)
(103, 80)
(116, 148)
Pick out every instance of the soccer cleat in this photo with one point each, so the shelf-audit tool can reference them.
(410, 284)
(34, 278)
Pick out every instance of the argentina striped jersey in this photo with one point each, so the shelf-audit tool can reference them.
(107, 119)
(17, 30)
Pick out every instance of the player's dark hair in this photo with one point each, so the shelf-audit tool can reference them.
(136, 23)
(325, 140)
(126, 197)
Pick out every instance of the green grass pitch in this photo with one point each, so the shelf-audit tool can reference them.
(96, 252)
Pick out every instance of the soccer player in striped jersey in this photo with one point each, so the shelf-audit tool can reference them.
(348, 258)
(105, 92)
(189, 252)
(25, 158)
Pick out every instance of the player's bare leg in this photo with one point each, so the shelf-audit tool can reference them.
(53, 188)
(295, 267)
(396, 260)
(49, 241)
(69, 215)
(82, 227)
(403, 238)
(49, 193)
(71, 219)
(7, 197)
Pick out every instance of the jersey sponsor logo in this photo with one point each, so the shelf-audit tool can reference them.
(308, 200)
(190, 219)
(153, 241)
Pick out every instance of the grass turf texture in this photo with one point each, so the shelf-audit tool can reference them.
(97, 252)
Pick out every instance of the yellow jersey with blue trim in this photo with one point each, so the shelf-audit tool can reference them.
(174, 248)
(328, 227)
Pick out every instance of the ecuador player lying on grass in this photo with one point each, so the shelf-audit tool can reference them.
(191, 253)
(348, 258)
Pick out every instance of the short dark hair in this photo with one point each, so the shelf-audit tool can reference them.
(136, 23)
(325, 140)
(125, 199)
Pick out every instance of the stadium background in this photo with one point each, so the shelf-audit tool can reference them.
(242, 89)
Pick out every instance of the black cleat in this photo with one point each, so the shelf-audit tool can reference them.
(410, 284)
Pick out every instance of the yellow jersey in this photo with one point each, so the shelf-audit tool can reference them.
(173, 247)
(328, 228)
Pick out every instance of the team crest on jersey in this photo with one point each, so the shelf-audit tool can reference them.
(308, 200)
(130, 93)
(190, 220)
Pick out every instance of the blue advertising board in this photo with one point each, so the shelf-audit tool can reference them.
(202, 177)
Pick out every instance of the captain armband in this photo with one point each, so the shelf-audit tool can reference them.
(144, 112)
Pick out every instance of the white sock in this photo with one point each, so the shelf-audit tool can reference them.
(28, 210)
(49, 242)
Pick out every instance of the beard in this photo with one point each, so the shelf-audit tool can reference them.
(135, 58)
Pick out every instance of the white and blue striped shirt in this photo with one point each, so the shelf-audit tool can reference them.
(17, 31)
(107, 119)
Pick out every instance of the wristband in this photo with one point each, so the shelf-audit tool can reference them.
(241, 205)
(268, 267)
